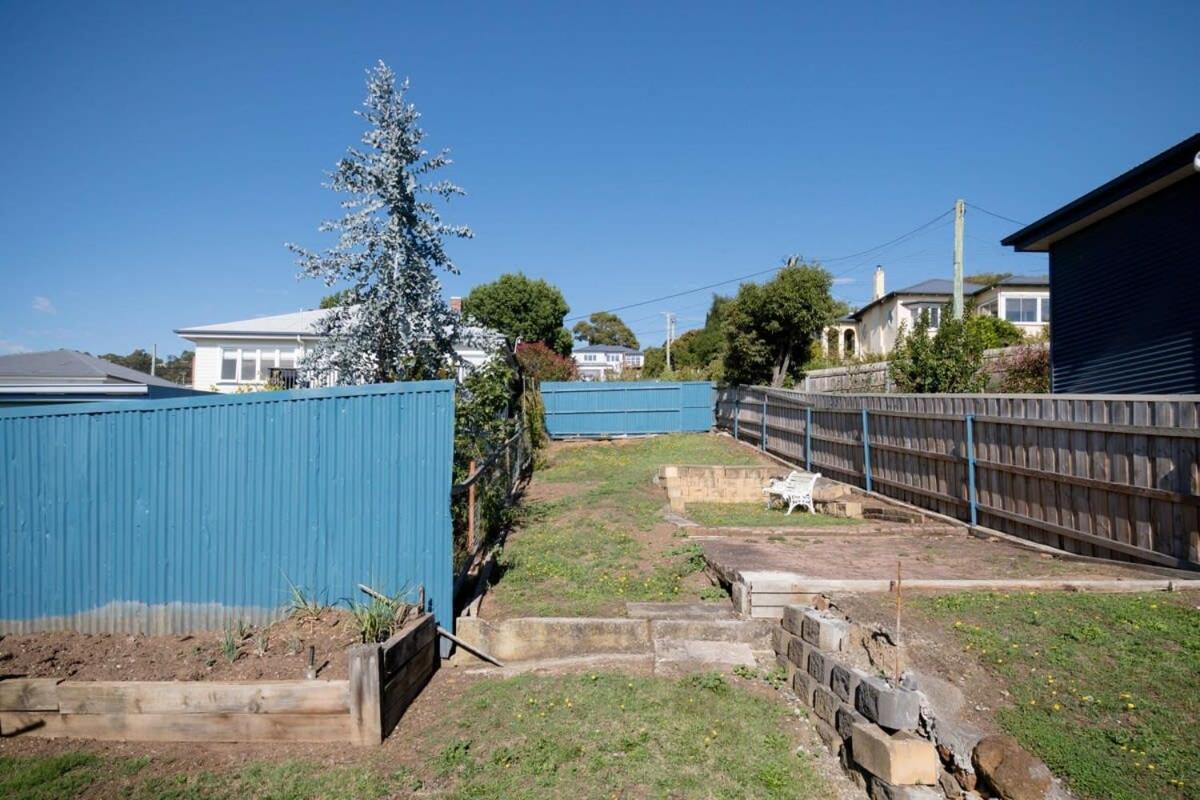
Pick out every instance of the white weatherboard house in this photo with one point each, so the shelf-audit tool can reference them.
(1023, 300)
(251, 353)
(597, 362)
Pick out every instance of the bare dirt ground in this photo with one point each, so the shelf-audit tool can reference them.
(943, 555)
(190, 657)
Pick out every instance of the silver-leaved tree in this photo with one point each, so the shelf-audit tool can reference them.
(395, 325)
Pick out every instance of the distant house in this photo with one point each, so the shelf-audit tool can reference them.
(872, 330)
(598, 362)
(68, 376)
(1124, 261)
(251, 353)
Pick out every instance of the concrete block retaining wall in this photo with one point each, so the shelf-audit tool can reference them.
(879, 731)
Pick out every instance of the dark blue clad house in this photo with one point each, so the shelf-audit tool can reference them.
(1125, 277)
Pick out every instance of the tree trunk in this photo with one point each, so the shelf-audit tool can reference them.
(779, 371)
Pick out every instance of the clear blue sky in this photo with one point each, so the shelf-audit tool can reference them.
(156, 156)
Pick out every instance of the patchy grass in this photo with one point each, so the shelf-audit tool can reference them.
(757, 515)
(610, 735)
(600, 735)
(590, 551)
(1104, 687)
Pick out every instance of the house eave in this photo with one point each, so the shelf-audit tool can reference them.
(1163, 170)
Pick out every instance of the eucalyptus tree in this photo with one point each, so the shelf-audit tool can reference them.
(393, 323)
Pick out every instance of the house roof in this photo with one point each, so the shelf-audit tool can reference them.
(606, 348)
(70, 366)
(297, 323)
(944, 287)
(1170, 166)
(1023, 280)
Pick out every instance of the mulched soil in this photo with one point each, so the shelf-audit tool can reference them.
(190, 657)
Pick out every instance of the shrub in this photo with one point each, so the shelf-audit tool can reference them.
(1027, 371)
(949, 361)
(539, 363)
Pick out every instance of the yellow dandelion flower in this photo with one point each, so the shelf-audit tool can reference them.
(1056, 707)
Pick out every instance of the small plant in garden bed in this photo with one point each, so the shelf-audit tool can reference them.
(1103, 686)
(229, 643)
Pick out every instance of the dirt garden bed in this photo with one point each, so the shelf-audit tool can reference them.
(274, 652)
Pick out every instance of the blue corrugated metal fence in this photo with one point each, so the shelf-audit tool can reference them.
(578, 408)
(172, 515)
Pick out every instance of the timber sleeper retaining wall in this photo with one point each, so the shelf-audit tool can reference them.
(384, 679)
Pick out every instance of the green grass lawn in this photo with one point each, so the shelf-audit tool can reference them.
(577, 736)
(594, 548)
(1105, 688)
(757, 515)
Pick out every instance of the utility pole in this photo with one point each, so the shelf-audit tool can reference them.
(153, 358)
(960, 209)
(670, 334)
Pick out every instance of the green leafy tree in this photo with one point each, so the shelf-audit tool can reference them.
(604, 327)
(992, 332)
(654, 362)
(949, 361)
(986, 278)
(338, 299)
(769, 327)
(521, 309)
(178, 369)
(139, 359)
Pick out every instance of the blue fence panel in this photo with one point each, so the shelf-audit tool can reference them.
(172, 515)
(589, 409)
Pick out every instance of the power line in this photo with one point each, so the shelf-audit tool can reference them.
(998, 216)
(740, 278)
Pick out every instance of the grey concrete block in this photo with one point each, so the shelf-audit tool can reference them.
(825, 704)
(798, 653)
(889, 707)
(803, 685)
(793, 618)
(824, 630)
(845, 719)
(829, 736)
(844, 681)
(820, 665)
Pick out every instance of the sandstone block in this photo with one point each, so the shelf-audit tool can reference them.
(900, 759)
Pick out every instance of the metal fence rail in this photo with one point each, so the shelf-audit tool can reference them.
(175, 515)
(1115, 477)
(617, 408)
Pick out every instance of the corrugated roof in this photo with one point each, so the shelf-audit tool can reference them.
(295, 324)
(71, 365)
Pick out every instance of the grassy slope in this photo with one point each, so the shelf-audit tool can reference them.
(1105, 688)
(757, 515)
(590, 551)
(578, 736)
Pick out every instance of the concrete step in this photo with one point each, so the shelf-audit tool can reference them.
(754, 632)
(685, 656)
(722, 610)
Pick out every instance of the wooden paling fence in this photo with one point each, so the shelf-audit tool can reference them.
(1109, 476)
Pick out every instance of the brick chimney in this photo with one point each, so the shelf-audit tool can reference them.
(456, 305)
(878, 282)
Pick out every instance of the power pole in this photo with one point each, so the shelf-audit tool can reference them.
(670, 333)
(960, 209)
(153, 358)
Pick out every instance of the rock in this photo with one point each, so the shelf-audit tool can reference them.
(1010, 771)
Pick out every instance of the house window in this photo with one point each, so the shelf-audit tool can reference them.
(1045, 309)
(249, 359)
(589, 356)
(229, 363)
(1021, 309)
(988, 308)
(933, 310)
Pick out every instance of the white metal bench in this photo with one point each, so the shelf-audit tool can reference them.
(795, 490)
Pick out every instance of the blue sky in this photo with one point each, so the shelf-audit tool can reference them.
(156, 156)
